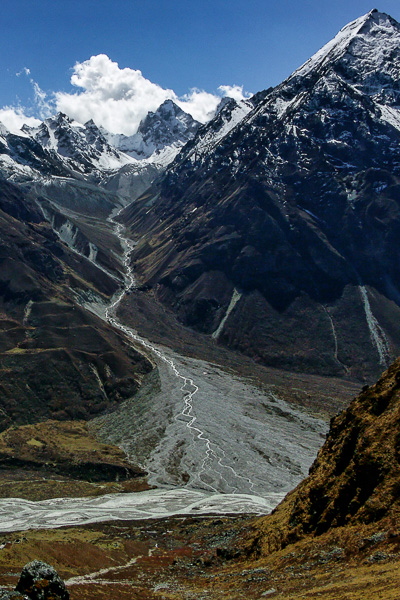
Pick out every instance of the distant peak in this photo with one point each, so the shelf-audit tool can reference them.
(57, 119)
(166, 111)
(169, 106)
(374, 12)
(91, 124)
(61, 117)
(168, 102)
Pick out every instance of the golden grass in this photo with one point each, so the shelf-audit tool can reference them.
(300, 571)
(36, 460)
(62, 439)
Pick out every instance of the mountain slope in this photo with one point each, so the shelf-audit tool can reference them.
(355, 478)
(57, 360)
(281, 239)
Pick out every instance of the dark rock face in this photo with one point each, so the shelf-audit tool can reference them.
(40, 581)
(298, 206)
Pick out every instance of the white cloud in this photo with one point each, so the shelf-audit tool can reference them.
(24, 71)
(234, 91)
(118, 99)
(13, 118)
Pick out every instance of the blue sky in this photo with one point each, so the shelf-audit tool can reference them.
(178, 45)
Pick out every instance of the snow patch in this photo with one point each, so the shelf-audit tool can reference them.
(391, 115)
(93, 250)
(378, 336)
(236, 296)
(335, 339)
(27, 312)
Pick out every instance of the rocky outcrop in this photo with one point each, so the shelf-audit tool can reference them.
(40, 581)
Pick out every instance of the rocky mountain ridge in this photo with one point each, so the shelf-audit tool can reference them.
(66, 362)
(62, 147)
(83, 146)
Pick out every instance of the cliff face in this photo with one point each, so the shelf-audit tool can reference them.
(355, 479)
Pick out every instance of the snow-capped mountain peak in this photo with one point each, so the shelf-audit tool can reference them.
(85, 144)
(363, 52)
(160, 136)
(170, 118)
(362, 61)
(335, 47)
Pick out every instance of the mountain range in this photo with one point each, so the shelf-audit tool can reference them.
(205, 296)
(279, 238)
(272, 229)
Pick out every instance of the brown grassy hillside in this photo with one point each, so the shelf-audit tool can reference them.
(356, 477)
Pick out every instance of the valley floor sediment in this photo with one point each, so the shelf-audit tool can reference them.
(211, 441)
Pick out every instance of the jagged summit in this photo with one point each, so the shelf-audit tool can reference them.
(168, 109)
(340, 43)
(168, 128)
(167, 124)
(60, 119)
(84, 144)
